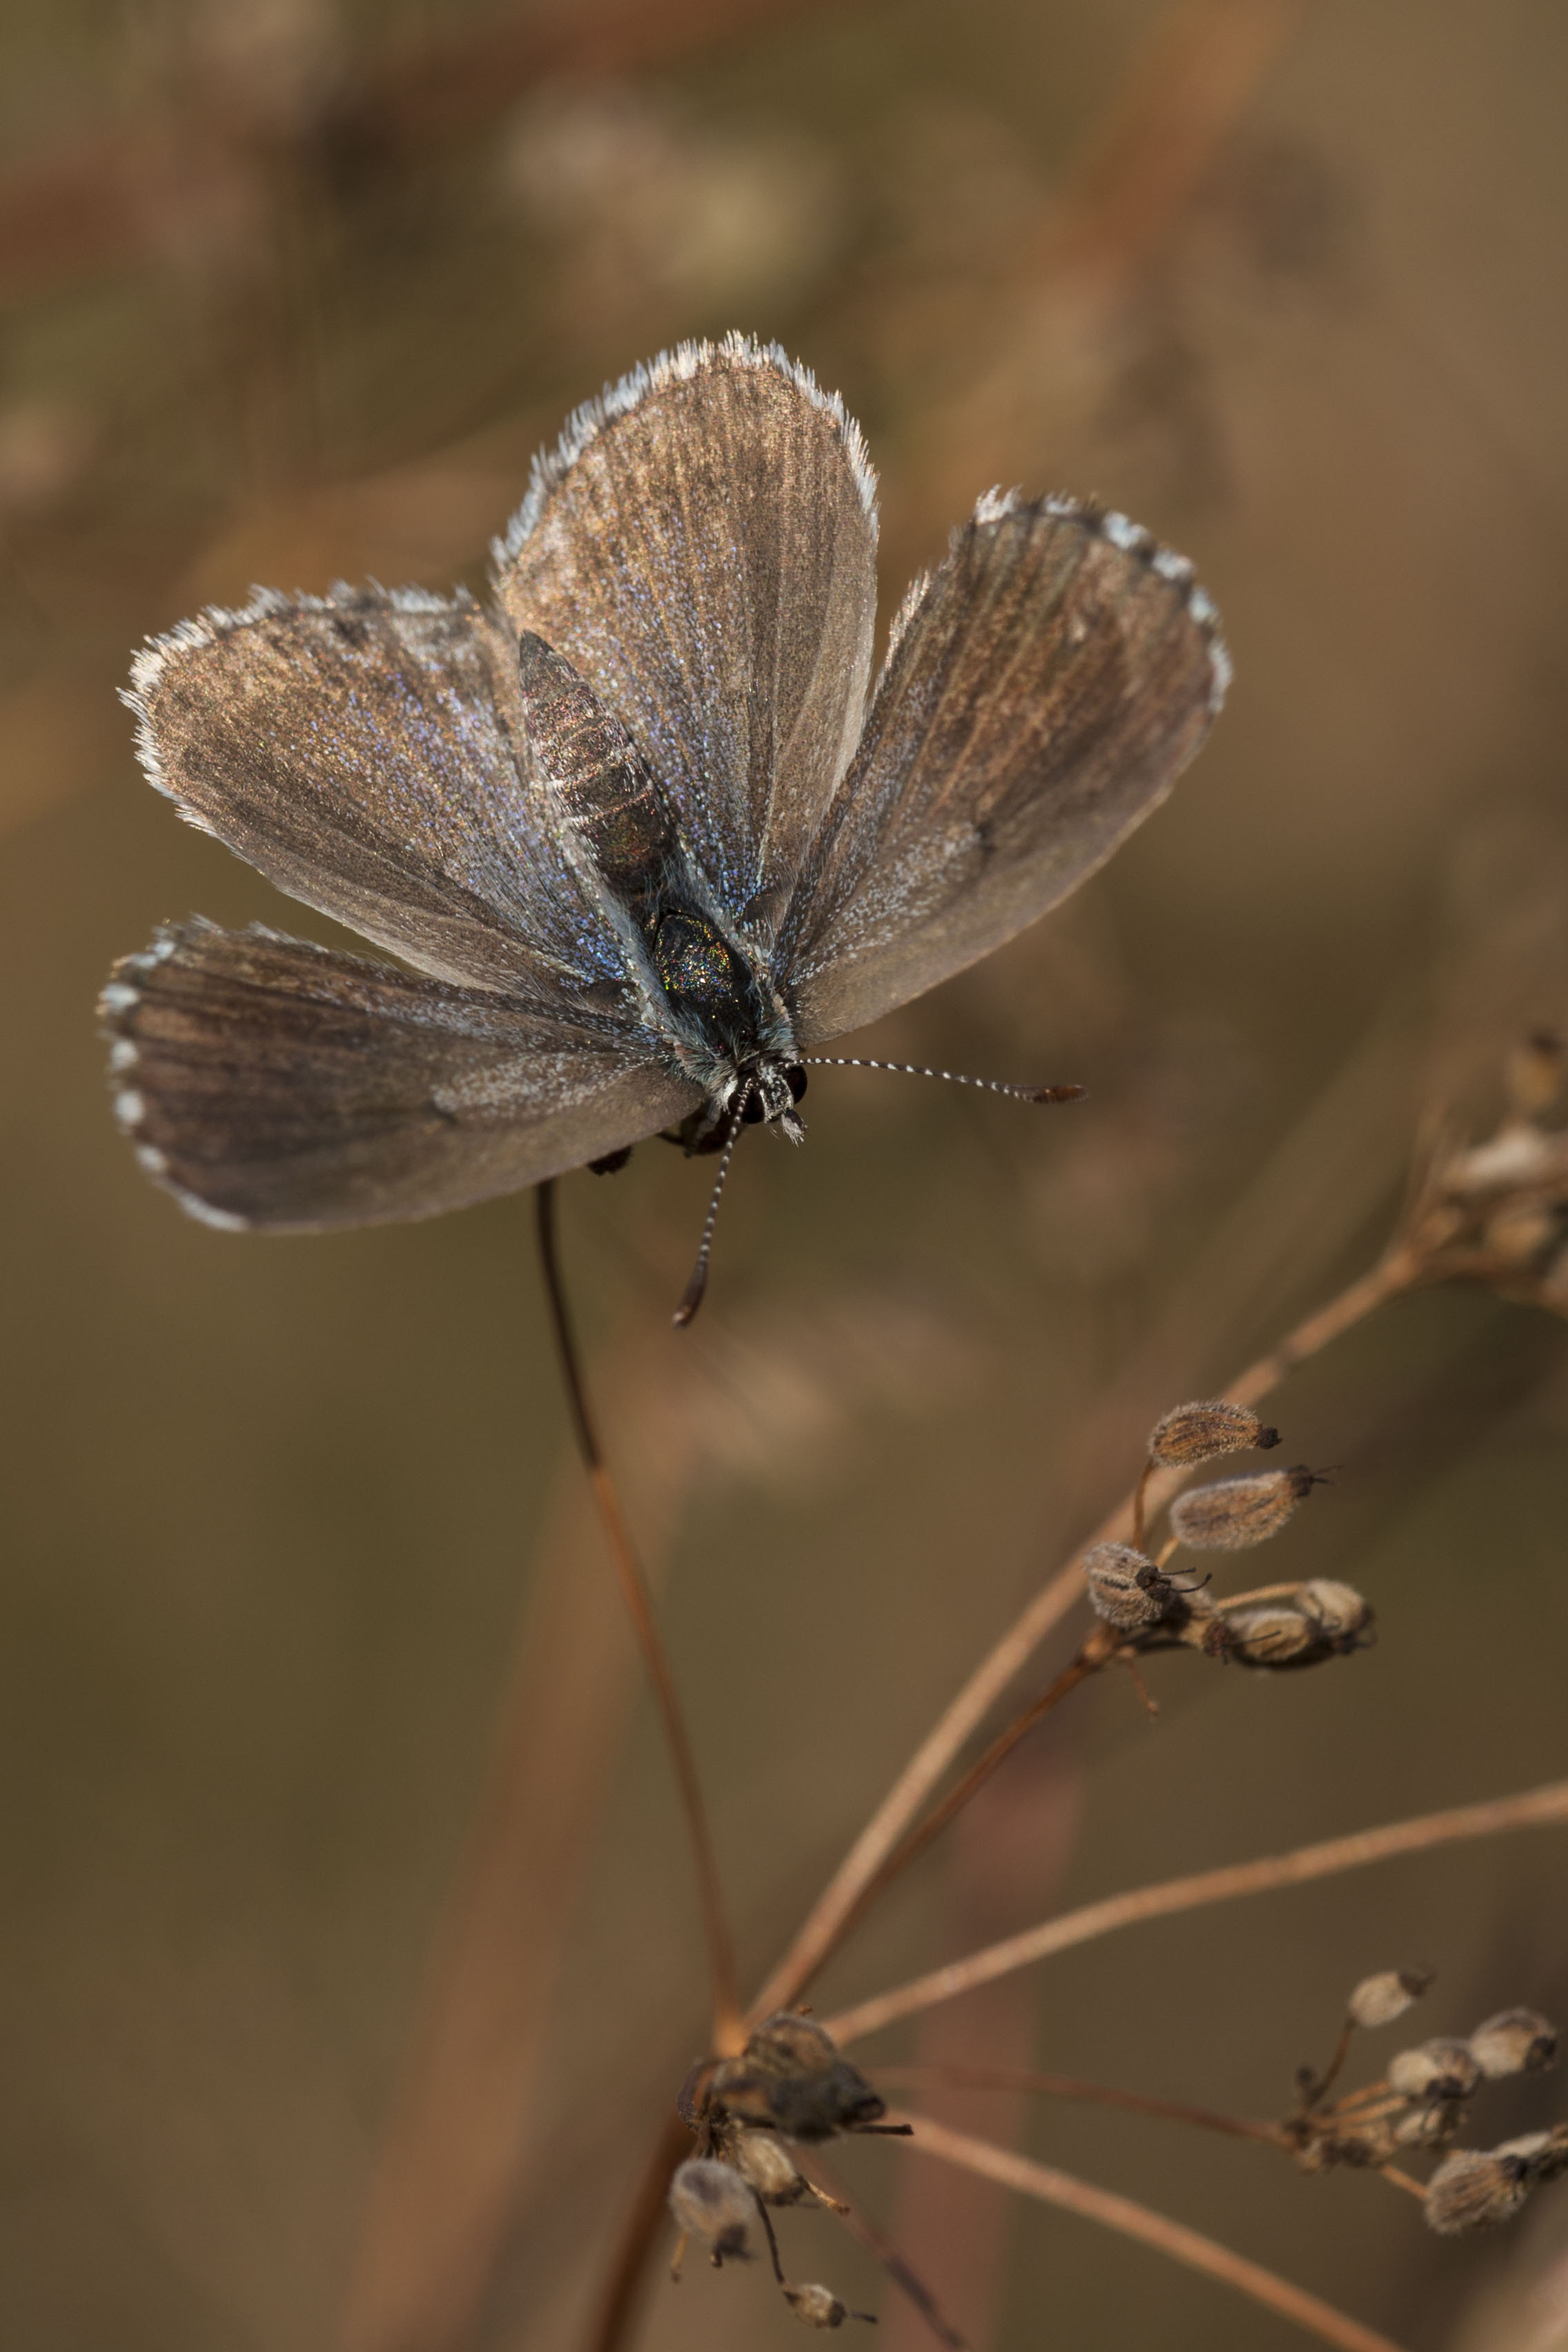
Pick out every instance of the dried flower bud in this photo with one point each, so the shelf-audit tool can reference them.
(1544, 2154)
(711, 2201)
(1238, 1512)
(1378, 2000)
(818, 2305)
(1197, 1433)
(759, 2158)
(1362, 2140)
(1472, 2188)
(1442, 2068)
(1514, 2041)
(1125, 1586)
(1274, 1633)
(790, 2078)
(1341, 1614)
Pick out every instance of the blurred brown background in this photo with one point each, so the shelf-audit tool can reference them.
(290, 291)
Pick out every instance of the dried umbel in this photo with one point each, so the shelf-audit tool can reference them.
(790, 2078)
(1514, 2041)
(1126, 1588)
(818, 2307)
(710, 2202)
(1442, 2068)
(1197, 1433)
(1236, 1512)
(1474, 2187)
(1379, 2000)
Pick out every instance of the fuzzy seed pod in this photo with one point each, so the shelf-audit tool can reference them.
(1442, 2068)
(1544, 2154)
(790, 2078)
(1472, 2188)
(1514, 2041)
(1238, 1512)
(1342, 1616)
(1378, 2000)
(1125, 1586)
(710, 2202)
(1432, 2125)
(1272, 1634)
(1197, 1433)
(818, 2305)
(759, 2158)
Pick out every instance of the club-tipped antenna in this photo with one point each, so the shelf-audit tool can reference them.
(953, 1077)
(692, 1296)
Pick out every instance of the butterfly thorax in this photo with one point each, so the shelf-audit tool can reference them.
(706, 990)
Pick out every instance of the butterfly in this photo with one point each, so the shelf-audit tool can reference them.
(637, 831)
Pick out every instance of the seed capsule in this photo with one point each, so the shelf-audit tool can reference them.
(1432, 2125)
(1544, 2154)
(1473, 2187)
(712, 2203)
(1378, 2000)
(1125, 1586)
(1339, 1611)
(1273, 1634)
(790, 2078)
(1442, 2068)
(1514, 2041)
(1197, 1433)
(759, 2158)
(1238, 1512)
(818, 2305)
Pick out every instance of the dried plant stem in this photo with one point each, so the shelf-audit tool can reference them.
(1533, 1809)
(1069, 2086)
(1167, 2237)
(877, 2243)
(868, 1858)
(1403, 2180)
(628, 2277)
(724, 1979)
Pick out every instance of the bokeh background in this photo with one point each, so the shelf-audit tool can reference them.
(349, 1949)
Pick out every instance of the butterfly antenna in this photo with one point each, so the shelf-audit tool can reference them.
(953, 1077)
(695, 1288)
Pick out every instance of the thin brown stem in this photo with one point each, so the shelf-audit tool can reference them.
(722, 1973)
(877, 2243)
(1140, 1497)
(1403, 2180)
(841, 1899)
(1540, 1808)
(1156, 2229)
(1069, 2086)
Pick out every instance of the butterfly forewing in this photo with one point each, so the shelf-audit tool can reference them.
(702, 548)
(367, 752)
(273, 1084)
(1048, 682)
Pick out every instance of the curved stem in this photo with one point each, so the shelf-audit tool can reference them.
(844, 1896)
(1532, 1809)
(1069, 2086)
(1156, 2229)
(721, 1967)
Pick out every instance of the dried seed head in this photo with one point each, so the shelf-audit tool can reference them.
(1235, 1512)
(790, 2078)
(1474, 2187)
(1364, 2139)
(710, 2202)
(1197, 1433)
(818, 2305)
(1273, 1634)
(1514, 2041)
(1442, 2068)
(1544, 2154)
(1378, 2000)
(1125, 1586)
(759, 2158)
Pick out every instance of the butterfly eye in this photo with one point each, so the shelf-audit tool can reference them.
(754, 1113)
(796, 1077)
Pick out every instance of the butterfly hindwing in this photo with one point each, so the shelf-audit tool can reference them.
(1043, 689)
(272, 1083)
